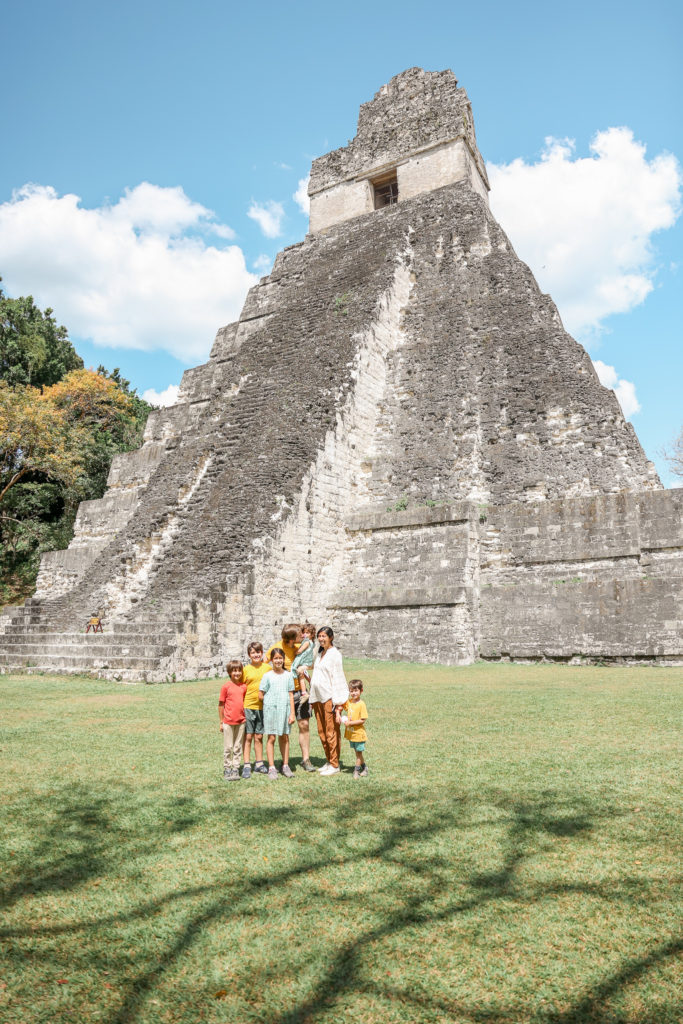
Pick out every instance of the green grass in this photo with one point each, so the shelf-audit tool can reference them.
(511, 858)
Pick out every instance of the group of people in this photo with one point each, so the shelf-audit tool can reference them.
(300, 676)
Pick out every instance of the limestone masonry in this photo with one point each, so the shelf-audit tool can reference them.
(447, 480)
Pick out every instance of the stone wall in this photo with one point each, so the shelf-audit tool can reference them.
(575, 620)
(414, 111)
(408, 589)
(438, 166)
(99, 522)
(293, 572)
(591, 578)
(419, 124)
(599, 577)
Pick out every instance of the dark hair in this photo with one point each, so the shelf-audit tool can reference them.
(290, 632)
(328, 632)
(235, 663)
(308, 627)
(278, 650)
(255, 645)
(356, 684)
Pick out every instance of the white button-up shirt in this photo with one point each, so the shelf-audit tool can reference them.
(328, 679)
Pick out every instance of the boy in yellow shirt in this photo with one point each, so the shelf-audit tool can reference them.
(291, 634)
(253, 709)
(354, 715)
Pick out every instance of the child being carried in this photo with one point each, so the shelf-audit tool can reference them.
(305, 656)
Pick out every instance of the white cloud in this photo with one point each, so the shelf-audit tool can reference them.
(161, 398)
(283, 167)
(300, 197)
(262, 264)
(134, 274)
(163, 211)
(585, 225)
(268, 216)
(625, 390)
(222, 230)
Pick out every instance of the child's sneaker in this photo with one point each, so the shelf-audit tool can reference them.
(364, 771)
(356, 772)
(261, 768)
(246, 771)
(324, 767)
(272, 772)
(226, 774)
(234, 774)
(307, 766)
(287, 771)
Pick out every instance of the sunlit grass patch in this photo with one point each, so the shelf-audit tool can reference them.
(511, 858)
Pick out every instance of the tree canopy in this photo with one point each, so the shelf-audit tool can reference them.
(36, 438)
(60, 427)
(34, 350)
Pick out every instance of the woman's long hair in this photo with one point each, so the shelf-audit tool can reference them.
(328, 631)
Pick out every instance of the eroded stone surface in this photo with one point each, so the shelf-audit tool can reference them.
(398, 437)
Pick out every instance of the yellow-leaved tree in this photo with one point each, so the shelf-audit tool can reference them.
(88, 397)
(36, 437)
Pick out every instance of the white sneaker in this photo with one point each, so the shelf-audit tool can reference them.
(330, 770)
(324, 767)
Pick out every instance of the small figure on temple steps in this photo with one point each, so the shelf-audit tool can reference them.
(94, 623)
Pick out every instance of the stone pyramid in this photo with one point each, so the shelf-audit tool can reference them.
(398, 437)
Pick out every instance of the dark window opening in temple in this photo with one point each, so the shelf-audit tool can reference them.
(386, 191)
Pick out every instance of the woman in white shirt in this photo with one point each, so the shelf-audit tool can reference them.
(329, 690)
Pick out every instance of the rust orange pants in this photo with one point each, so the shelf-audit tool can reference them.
(328, 730)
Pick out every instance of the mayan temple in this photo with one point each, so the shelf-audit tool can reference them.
(447, 480)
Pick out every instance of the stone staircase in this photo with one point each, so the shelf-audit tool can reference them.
(30, 641)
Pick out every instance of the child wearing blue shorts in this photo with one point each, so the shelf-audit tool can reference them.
(354, 715)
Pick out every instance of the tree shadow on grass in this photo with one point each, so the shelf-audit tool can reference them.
(75, 834)
(529, 823)
(593, 1007)
(394, 835)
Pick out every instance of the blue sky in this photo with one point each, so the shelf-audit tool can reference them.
(220, 110)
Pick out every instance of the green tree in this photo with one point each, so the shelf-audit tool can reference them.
(141, 408)
(34, 350)
(60, 428)
(41, 463)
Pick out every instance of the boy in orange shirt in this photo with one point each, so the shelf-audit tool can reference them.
(231, 717)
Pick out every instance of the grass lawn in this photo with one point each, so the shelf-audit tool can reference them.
(511, 858)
